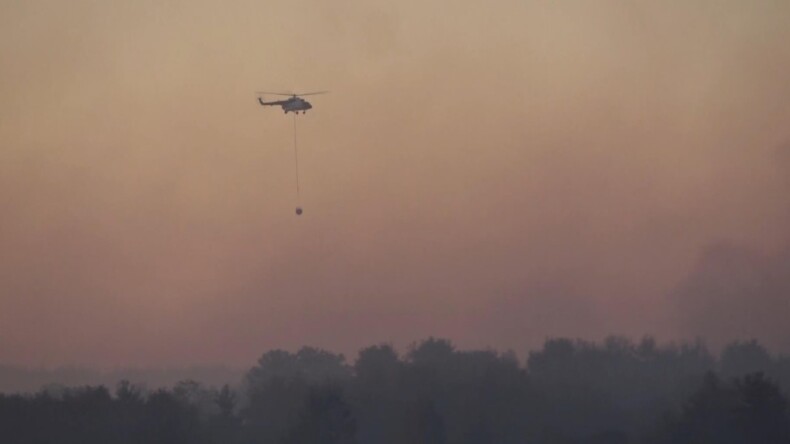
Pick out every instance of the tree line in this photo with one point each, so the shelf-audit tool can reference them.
(568, 392)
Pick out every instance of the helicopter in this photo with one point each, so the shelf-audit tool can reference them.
(294, 103)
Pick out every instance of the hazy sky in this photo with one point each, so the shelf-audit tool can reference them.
(491, 172)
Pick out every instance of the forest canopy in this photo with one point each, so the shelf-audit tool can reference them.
(569, 391)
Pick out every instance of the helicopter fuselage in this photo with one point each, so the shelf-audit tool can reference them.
(293, 104)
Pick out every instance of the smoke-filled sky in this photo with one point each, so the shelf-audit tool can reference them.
(491, 172)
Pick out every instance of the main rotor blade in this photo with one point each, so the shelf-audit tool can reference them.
(312, 93)
(276, 94)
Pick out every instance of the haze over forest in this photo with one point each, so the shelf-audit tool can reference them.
(494, 173)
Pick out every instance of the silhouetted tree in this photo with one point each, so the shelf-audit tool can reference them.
(751, 409)
(761, 412)
(740, 358)
(278, 385)
(427, 425)
(225, 424)
(226, 402)
(169, 420)
(587, 389)
(272, 408)
(324, 419)
(309, 364)
(376, 396)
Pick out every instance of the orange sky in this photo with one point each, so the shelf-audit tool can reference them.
(495, 173)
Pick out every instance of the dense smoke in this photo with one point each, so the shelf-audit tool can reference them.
(496, 174)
